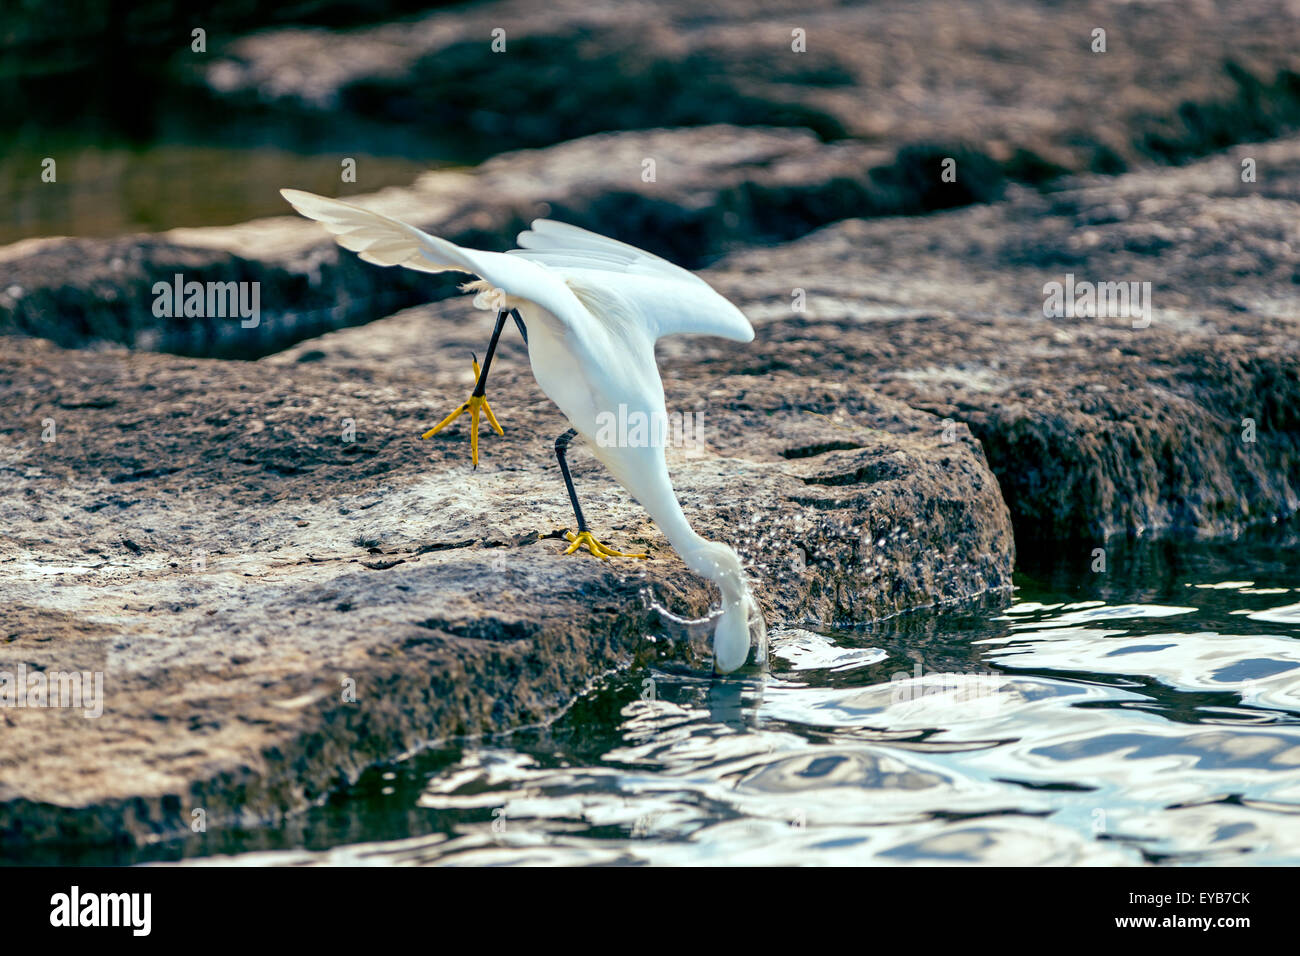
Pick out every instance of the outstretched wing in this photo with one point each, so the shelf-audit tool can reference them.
(390, 242)
(668, 299)
(575, 275)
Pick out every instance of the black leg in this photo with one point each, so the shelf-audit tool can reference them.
(519, 321)
(480, 387)
(561, 444)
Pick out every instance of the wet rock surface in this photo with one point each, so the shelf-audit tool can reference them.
(1093, 426)
(1183, 419)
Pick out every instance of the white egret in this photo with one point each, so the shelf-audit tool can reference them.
(590, 309)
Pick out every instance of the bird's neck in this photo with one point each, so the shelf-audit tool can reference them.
(710, 559)
(653, 489)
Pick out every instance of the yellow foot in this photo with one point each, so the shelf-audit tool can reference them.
(595, 547)
(475, 405)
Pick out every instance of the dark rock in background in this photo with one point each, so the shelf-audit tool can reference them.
(1016, 79)
(1094, 427)
(713, 188)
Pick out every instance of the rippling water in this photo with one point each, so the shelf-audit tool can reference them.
(1147, 714)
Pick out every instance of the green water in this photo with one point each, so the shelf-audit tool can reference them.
(138, 147)
(115, 188)
(1149, 714)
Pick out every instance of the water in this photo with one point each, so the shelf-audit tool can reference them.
(1144, 715)
(136, 149)
(106, 188)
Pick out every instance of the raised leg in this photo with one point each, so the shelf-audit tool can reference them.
(477, 402)
(480, 386)
(584, 537)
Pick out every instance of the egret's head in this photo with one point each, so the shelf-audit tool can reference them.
(741, 623)
(735, 634)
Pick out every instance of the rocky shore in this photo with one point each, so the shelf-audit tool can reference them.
(202, 533)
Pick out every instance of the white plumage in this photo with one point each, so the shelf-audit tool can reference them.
(593, 308)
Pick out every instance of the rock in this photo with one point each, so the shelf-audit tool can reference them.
(1093, 427)
(202, 534)
(66, 35)
(1023, 81)
(713, 188)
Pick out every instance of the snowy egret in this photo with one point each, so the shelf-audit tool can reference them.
(590, 309)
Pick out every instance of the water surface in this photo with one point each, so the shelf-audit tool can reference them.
(1145, 714)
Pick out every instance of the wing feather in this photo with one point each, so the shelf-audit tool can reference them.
(663, 306)
(570, 272)
(557, 243)
(389, 242)
(668, 299)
